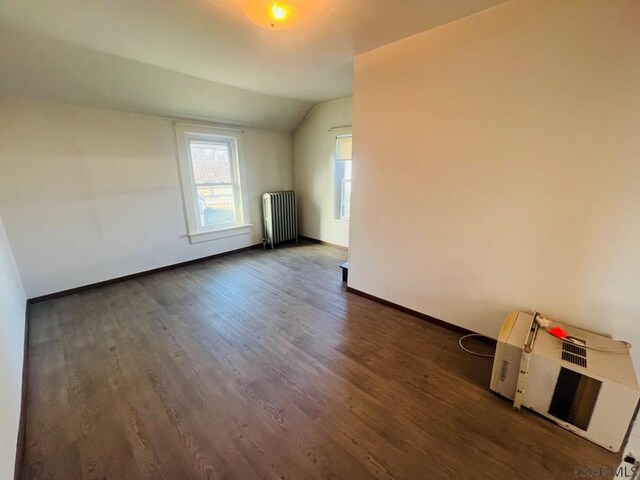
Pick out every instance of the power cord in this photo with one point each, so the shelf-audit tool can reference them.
(470, 335)
(545, 324)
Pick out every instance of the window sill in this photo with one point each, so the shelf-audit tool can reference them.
(218, 233)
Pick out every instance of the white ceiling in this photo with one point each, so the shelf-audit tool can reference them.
(212, 39)
(206, 40)
(34, 66)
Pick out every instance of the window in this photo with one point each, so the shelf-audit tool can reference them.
(213, 181)
(342, 176)
(210, 168)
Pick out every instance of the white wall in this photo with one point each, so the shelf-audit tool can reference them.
(88, 194)
(497, 167)
(12, 316)
(313, 149)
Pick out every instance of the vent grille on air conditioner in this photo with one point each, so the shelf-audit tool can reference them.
(575, 359)
(573, 353)
(574, 398)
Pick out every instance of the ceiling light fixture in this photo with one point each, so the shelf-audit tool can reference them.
(272, 14)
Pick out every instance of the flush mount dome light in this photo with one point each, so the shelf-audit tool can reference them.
(272, 14)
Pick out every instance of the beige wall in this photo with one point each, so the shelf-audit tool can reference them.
(12, 315)
(497, 167)
(90, 194)
(313, 150)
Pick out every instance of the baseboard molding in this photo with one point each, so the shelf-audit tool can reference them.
(22, 426)
(420, 315)
(71, 291)
(322, 242)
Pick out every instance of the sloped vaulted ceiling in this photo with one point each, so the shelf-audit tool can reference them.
(200, 58)
(38, 67)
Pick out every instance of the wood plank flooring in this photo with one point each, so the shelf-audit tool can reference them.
(260, 366)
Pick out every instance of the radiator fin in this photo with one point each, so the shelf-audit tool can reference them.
(280, 217)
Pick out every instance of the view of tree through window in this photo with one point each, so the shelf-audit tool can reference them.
(213, 178)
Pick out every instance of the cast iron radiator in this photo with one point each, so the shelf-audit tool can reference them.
(280, 217)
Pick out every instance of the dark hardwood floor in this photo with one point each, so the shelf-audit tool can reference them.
(260, 365)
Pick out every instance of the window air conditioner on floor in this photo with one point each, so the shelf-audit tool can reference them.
(583, 381)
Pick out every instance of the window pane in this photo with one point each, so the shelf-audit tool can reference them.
(345, 210)
(211, 162)
(342, 177)
(343, 147)
(216, 205)
(347, 170)
(210, 169)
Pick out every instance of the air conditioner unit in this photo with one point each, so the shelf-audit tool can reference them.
(579, 382)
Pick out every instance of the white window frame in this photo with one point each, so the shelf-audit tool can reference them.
(185, 134)
(335, 133)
